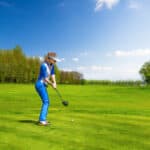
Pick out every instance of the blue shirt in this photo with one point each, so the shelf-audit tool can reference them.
(46, 70)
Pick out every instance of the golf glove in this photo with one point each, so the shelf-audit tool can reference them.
(54, 85)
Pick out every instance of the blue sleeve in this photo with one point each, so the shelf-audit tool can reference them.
(43, 71)
(52, 70)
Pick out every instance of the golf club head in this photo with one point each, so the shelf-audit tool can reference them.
(65, 103)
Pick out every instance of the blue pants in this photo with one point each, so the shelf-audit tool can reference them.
(42, 91)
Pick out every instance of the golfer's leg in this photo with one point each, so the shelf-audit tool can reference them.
(42, 91)
(45, 105)
(44, 110)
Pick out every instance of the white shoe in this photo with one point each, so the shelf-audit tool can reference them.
(43, 123)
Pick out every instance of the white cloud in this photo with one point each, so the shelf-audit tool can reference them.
(126, 71)
(121, 71)
(66, 69)
(81, 68)
(132, 53)
(96, 68)
(62, 59)
(134, 4)
(119, 65)
(75, 59)
(108, 3)
(95, 71)
(127, 63)
(118, 72)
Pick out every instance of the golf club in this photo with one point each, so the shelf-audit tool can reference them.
(64, 102)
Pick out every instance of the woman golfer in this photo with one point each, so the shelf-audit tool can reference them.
(46, 71)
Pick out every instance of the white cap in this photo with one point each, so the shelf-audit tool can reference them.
(54, 58)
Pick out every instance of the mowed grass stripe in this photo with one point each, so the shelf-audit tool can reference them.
(109, 128)
(104, 118)
(38, 136)
(74, 129)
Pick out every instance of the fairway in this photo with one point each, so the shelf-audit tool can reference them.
(98, 118)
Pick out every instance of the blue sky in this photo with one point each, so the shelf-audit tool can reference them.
(103, 39)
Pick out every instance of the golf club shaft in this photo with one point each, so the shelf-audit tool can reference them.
(58, 94)
(65, 103)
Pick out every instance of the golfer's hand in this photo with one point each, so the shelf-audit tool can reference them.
(54, 85)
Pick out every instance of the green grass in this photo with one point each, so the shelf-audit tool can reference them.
(104, 118)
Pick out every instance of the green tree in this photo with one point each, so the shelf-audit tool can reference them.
(57, 73)
(145, 72)
(16, 67)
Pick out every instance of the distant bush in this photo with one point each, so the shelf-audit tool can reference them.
(109, 82)
(71, 77)
(145, 72)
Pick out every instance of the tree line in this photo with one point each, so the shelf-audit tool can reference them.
(16, 67)
(117, 82)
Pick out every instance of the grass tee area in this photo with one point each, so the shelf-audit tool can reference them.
(98, 118)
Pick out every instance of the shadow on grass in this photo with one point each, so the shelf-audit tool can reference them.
(29, 122)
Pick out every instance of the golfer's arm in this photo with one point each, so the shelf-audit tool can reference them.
(53, 78)
(48, 81)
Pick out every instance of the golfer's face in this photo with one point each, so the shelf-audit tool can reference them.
(52, 61)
